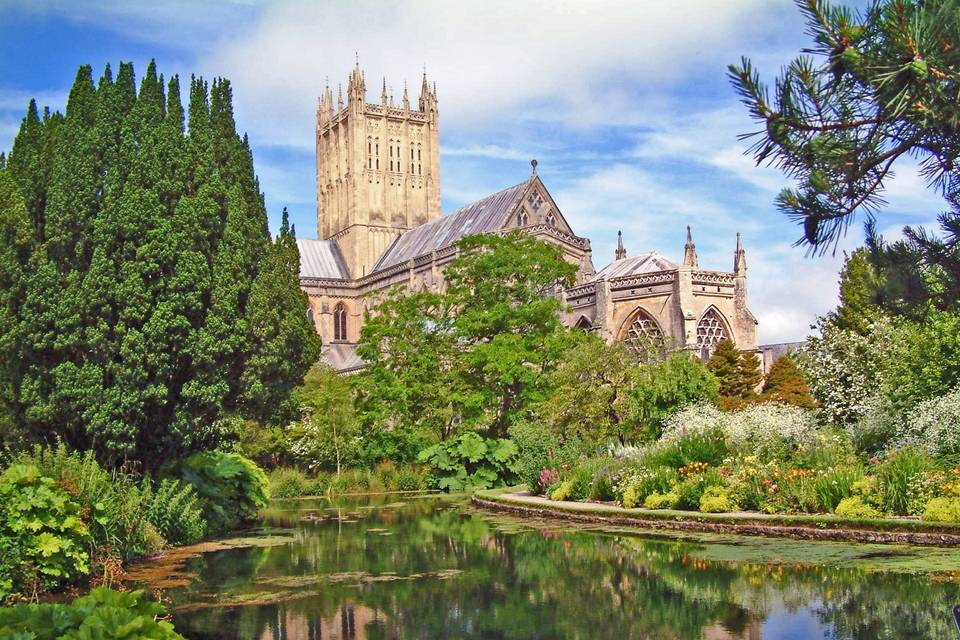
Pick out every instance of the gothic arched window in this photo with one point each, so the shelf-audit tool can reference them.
(551, 220)
(340, 322)
(584, 324)
(522, 219)
(710, 330)
(310, 315)
(645, 338)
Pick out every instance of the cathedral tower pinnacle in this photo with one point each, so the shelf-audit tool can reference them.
(690, 252)
(378, 169)
(740, 258)
(621, 251)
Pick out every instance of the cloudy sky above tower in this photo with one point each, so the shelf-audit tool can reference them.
(625, 105)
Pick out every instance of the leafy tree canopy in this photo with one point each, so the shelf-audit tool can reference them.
(144, 305)
(476, 355)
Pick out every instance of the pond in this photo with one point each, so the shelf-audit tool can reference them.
(434, 567)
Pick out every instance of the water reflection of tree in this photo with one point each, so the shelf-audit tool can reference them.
(537, 584)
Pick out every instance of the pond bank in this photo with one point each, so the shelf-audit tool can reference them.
(802, 527)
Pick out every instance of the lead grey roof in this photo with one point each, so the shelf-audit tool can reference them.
(342, 357)
(644, 263)
(483, 216)
(321, 259)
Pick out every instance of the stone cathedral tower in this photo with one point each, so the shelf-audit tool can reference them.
(378, 169)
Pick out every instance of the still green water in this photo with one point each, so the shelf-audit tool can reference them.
(434, 567)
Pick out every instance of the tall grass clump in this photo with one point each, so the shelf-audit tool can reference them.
(897, 476)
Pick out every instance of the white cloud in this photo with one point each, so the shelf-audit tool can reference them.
(566, 61)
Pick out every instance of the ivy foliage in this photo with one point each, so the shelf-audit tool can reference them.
(143, 303)
(104, 614)
(42, 534)
(232, 488)
(469, 461)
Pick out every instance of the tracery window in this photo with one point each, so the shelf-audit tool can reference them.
(340, 322)
(535, 200)
(710, 330)
(522, 219)
(551, 220)
(645, 338)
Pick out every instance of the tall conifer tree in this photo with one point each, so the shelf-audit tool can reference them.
(144, 303)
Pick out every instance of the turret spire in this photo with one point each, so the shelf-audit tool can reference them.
(383, 95)
(740, 258)
(690, 252)
(406, 97)
(621, 252)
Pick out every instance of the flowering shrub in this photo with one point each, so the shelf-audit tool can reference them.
(547, 478)
(845, 370)
(639, 482)
(934, 425)
(766, 429)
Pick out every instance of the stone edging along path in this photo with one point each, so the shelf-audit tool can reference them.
(802, 527)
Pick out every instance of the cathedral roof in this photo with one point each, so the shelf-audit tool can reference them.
(644, 263)
(321, 259)
(483, 216)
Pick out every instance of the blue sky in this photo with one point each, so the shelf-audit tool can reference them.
(625, 105)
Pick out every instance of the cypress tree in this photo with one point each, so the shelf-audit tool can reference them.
(144, 304)
(724, 364)
(738, 373)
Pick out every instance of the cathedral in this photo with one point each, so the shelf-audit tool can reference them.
(379, 226)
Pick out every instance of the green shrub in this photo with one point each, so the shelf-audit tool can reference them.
(717, 500)
(104, 614)
(289, 482)
(835, 484)
(692, 486)
(175, 512)
(637, 483)
(469, 461)
(854, 507)
(585, 479)
(897, 476)
(945, 509)
(400, 446)
(668, 500)
(564, 491)
(539, 448)
(679, 450)
(232, 488)
(42, 535)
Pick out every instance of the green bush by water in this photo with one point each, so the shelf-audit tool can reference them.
(854, 507)
(469, 461)
(43, 538)
(104, 614)
(231, 487)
